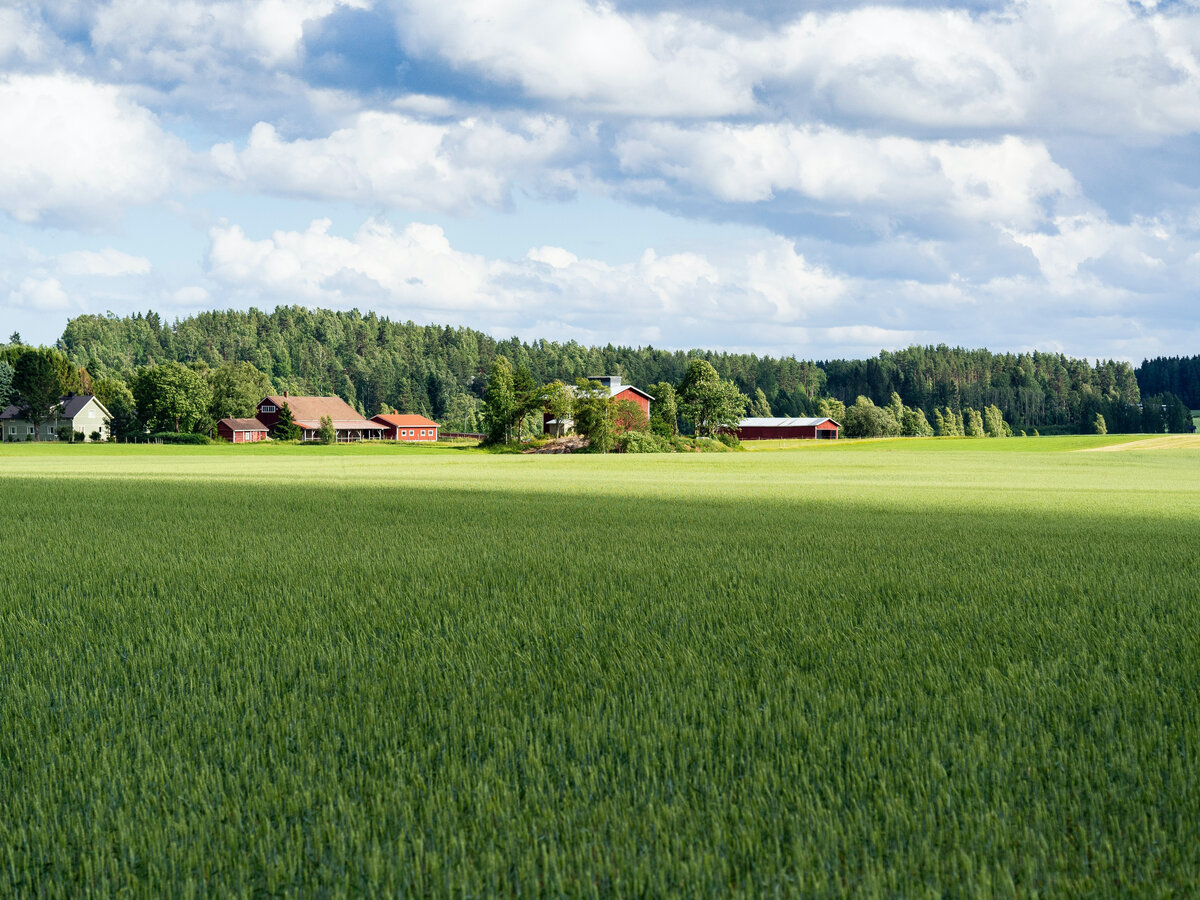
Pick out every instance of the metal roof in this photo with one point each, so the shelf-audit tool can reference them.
(764, 422)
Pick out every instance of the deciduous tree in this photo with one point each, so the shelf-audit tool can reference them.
(171, 397)
(707, 401)
(237, 388)
(499, 400)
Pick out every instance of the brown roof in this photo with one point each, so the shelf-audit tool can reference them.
(308, 411)
(405, 420)
(243, 425)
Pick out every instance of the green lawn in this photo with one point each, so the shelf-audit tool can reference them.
(891, 667)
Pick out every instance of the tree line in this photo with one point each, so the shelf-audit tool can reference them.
(373, 362)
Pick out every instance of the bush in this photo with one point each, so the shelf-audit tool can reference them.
(642, 442)
(729, 439)
(177, 437)
(77, 437)
(95, 437)
(662, 429)
(64, 433)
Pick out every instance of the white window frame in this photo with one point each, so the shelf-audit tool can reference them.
(268, 408)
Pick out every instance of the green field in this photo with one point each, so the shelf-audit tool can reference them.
(914, 667)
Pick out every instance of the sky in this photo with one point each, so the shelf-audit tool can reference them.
(817, 179)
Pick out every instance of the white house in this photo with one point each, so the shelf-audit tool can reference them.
(83, 412)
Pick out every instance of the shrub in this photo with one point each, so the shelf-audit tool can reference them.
(95, 437)
(642, 442)
(729, 439)
(64, 433)
(178, 437)
(77, 437)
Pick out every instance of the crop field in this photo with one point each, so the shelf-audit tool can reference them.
(908, 667)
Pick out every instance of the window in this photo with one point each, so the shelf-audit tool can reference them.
(268, 407)
(422, 432)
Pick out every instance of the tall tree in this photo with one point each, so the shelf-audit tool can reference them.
(38, 386)
(558, 402)
(285, 427)
(499, 400)
(114, 393)
(526, 398)
(709, 402)
(237, 388)
(6, 383)
(171, 397)
(593, 414)
(664, 408)
(759, 405)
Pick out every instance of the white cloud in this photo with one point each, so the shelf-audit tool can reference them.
(182, 39)
(1004, 181)
(40, 293)
(77, 152)
(401, 162)
(588, 54)
(107, 262)
(415, 271)
(1098, 66)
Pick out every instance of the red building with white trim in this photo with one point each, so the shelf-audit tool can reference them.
(407, 427)
(242, 431)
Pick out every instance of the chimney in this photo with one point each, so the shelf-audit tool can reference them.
(285, 394)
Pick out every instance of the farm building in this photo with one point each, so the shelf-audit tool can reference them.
(308, 412)
(82, 412)
(242, 431)
(407, 427)
(616, 391)
(762, 429)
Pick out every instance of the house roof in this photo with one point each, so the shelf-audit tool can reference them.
(69, 407)
(764, 422)
(614, 389)
(405, 420)
(243, 425)
(308, 412)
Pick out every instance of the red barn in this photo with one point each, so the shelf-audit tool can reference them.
(616, 391)
(242, 431)
(764, 429)
(407, 427)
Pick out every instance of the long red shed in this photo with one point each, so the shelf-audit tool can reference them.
(764, 429)
(407, 427)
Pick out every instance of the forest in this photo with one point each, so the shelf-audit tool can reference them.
(441, 371)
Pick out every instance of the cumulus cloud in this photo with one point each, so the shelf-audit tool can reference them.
(588, 54)
(1003, 181)
(77, 152)
(416, 268)
(183, 39)
(40, 293)
(396, 160)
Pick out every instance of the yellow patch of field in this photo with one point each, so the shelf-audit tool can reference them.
(1166, 442)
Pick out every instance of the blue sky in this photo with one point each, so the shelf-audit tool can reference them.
(818, 179)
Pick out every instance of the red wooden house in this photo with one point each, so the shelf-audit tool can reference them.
(407, 427)
(242, 431)
(616, 391)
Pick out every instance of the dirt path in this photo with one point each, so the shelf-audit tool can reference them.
(1166, 442)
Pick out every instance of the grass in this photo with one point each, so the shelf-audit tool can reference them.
(905, 667)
